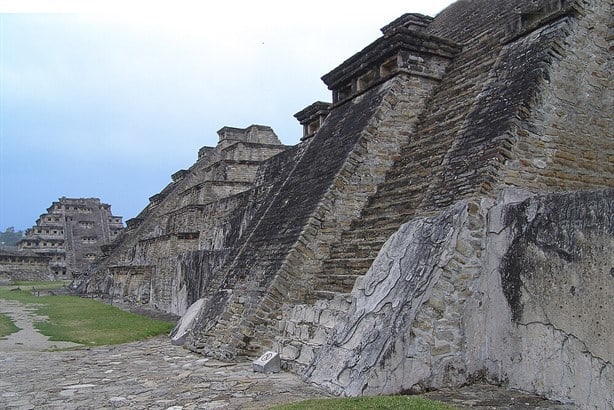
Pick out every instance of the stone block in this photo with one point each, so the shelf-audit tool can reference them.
(269, 362)
(327, 319)
(307, 355)
(186, 323)
(441, 349)
(319, 336)
(290, 352)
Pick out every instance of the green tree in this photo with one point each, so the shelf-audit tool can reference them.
(10, 237)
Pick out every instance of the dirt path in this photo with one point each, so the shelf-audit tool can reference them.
(28, 338)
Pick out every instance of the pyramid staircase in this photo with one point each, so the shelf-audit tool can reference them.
(410, 179)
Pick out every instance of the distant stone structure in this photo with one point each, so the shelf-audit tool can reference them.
(142, 264)
(447, 218)
(70, 236)
(23, 265)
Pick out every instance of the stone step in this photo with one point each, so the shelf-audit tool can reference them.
(336, 283)
(325, 295)
(392, 211)
(334, 271)
(375, 228)
(349, 262)
(389, 203)
(356, 249)
(332, 279)
(418, 166)
(392, 185)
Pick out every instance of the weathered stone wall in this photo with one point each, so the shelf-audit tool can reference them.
(429, 127)
(186, 266)
(539, 316)
(304, 326)
(134, 281)
(461, 141)
(403, 327)
(277, 227)
(224, 223)
(457, 151)
(519, 294)
(173, 221)
(565, 141)
(297, 242)
(528, 39)
(185, 219)
(18, 266)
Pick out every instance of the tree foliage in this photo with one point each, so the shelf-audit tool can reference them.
(10, 237)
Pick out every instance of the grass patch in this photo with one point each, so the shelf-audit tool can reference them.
(362, 403)
(7, 326)
(40, 284)
(85, 321)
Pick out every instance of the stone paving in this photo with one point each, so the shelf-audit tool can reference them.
(151, 374)
(154, 374)
(482, 396)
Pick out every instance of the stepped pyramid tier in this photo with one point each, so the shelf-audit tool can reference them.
(187, 215)
(24, 265)
(444, 218)
(70, 234)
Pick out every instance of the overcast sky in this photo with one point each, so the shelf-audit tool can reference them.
(108, 98)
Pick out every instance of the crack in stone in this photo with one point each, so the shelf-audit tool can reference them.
(568, 336)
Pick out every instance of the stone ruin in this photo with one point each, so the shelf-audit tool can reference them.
(446, 219)
(64, 242)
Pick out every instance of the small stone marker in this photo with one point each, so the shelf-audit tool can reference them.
(269, 362)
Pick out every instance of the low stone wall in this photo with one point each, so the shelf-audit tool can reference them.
(133, 282)
(305, 328)
(25, 272)
(14, 267)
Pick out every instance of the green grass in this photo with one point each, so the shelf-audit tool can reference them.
(40, 285)
(85, 321)
(362, 403)
(7, 326)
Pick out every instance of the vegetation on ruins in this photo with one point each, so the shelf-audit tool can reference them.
(362, 403)
(80, 320)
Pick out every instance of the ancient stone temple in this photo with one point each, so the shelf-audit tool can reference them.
(446, 218)
(143, 264)
(23, 265)
(70, 235)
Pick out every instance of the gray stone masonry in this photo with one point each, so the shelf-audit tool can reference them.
(172, 222)
(513, 291)
(23, 265)
(71, 235)
(391, 249)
